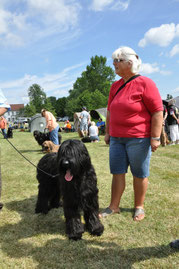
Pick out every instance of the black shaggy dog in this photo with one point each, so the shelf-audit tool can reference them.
(42, 137)
(9, 133)
(75, 180)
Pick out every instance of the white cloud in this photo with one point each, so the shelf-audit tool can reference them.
(36, 18)
(161, 36)
(174, 50)
(176, 90)
(147, 68)
(63, 14)
(100, 5)
(165, 72)
(57, 84)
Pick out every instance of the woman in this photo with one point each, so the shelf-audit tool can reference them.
(51, 125)
(133, 128)
(93, 132)
(3, 126)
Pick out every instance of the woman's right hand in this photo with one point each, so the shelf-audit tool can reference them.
(107, 138)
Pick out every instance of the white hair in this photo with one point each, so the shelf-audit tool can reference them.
(128, 54)
(93, 123)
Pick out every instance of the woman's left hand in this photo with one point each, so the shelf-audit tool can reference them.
(154, 144)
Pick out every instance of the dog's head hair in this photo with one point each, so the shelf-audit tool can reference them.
(36, 133)
(40, 137)
(49, 146)
(46, 146)
(73, 159)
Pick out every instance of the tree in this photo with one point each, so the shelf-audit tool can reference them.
(37, 97)
(48, 106)
(29, 110)
(92, 88)
(60, 106)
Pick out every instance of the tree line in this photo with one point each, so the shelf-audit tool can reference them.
(91, 89)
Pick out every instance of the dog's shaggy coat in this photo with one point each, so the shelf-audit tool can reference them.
(76, 182)
(42, 137)
(49, 146)
(9, 133)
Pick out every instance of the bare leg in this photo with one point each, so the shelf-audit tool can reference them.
(82, 133)
(140, 188)
(117, 189)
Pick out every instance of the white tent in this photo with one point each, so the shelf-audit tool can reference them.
(37, 123)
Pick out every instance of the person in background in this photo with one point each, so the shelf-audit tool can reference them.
(3, 126)
(51, 125)
(101, 126)
(164, 137)
(93, 132)
(68, 126)
(4, 106)
(85, 118)
(173, 122)
(133, 128)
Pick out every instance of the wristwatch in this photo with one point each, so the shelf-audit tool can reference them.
(155, 138)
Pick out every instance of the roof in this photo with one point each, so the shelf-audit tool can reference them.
(16, 107)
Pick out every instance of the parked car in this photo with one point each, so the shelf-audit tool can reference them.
(65, 118)
(59, 119)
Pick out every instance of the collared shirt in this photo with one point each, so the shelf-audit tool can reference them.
(3, 101)
(51, 122)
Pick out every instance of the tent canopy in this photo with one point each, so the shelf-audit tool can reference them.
(99, 113)
(37, 123)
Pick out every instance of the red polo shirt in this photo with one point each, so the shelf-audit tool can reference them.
(131, 109)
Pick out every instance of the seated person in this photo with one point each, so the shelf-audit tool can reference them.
(68, 126)
(101, 126)
(93, 132)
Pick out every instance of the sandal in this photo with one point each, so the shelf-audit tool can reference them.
(107, 212)
(137, 213)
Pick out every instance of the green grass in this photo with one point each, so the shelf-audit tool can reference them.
(32, 241)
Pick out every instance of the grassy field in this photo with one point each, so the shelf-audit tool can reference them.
(33, 241)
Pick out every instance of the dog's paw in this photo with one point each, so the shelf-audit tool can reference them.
(39, 210)
(74, 229)
(75, 237)
(96, 230)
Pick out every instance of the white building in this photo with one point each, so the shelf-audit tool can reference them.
(13, 114)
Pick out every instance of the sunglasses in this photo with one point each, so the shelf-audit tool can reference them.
(118, 60)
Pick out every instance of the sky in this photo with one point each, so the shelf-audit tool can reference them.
(50, 42)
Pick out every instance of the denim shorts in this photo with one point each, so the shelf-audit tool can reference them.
(133, 152)
(84, 127)
(54, 135)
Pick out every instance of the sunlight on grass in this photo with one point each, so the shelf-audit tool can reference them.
(32, 241)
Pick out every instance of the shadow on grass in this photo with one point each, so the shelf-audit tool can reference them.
(62, 252)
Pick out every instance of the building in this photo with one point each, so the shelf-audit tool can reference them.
(13, 114)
